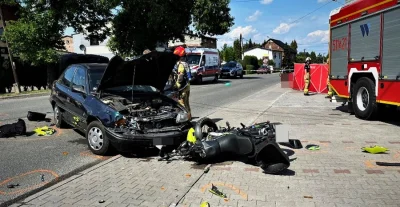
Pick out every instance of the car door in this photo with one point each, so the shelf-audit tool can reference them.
(79, 92)
(62, 91)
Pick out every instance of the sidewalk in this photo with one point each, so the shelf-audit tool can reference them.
(337, 175)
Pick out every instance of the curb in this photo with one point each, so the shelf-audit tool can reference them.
(66, 181)
(24, 96)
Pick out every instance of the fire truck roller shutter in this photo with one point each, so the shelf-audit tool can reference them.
(391, 44)
(339, 52)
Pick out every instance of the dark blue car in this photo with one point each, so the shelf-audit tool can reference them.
(121, 104)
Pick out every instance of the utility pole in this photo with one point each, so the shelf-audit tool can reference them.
(241, 45)
(18, 89)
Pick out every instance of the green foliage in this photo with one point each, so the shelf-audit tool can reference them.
(301, 57)
(238, 49)
(141, 24)
(271, 62)
(313, 57)
(228, 54)
(293, 45)
(249, 69)
(260, 62)
(250, 60)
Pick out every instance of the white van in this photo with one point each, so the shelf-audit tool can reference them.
(204, 64)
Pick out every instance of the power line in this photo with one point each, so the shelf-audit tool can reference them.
(311, 12)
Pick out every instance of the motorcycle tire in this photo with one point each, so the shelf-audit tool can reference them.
(198, 133)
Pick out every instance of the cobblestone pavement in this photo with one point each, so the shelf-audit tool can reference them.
(339, 174)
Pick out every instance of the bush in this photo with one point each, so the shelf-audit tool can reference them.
(249, 69)
(250, 60)
(271, 62)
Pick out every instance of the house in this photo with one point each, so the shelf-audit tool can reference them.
(69, 43)
(266, 53)
(194, 41)
(288, 54)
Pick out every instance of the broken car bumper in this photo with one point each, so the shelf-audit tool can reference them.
(126, 142)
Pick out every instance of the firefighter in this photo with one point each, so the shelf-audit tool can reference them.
(183, 82)
(330, 92)
(307, 77)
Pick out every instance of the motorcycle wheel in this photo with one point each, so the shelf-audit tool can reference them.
(198, 130)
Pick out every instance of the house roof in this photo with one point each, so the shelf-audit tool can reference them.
(257, 47)
(281, 44)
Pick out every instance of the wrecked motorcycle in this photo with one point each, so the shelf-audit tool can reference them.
(257, 144)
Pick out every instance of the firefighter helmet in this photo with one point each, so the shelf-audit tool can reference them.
(180, 51)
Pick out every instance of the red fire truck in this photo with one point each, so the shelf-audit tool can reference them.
(365, 55)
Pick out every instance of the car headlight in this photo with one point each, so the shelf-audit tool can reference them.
(182, 117)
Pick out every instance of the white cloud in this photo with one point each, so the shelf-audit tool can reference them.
(266, 1)
(283, 28)
(254, 16)
(318, 36)
(229, 37)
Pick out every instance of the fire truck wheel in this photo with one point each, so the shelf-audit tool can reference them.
(364, 99)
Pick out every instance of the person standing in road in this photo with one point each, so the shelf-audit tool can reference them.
(183, 81)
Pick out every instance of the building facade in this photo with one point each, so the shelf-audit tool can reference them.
(288, 55)
(195, 41)
(68, 43)
(269, 54)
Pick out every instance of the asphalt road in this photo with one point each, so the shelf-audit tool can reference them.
(34, 161)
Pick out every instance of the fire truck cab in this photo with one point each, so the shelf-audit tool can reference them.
(364, 67)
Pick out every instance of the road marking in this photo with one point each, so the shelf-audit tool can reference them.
(39, 171)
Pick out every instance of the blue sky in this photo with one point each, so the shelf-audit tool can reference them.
(284, 20)
(306, 21)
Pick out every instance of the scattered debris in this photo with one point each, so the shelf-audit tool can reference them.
(162, 188)
(310, 197)
(375, 149)
(44, 131)
(42, 177)
(102, 201)
(214, 190)
(36, 116)
(227, 84)
(207, 168)
(188, 175)
(65, 153)
(204, 204)
(14, 129)
(288, 187)
(12, 185)
(313, 147)
(388, 164)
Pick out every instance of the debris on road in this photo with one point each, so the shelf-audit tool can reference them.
(36, 116)
(102, 201)
(42, 177)
(375, 149)
(214, 190)
(388, 164)
(44, 131)
(204, 204)
(14, 129)
(310, 197)
(207, 168)
(12, 185)
(313, 147)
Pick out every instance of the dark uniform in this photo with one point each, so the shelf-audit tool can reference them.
(307, 77)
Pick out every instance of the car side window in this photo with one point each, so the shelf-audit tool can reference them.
(80, 78)
(67, 77)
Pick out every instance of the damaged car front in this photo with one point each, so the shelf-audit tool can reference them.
(132, 109)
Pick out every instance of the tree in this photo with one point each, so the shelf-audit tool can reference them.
(227, 53)
(237, 49)
(313, 57)
(293, 45)
(141, 24)
(36, 36)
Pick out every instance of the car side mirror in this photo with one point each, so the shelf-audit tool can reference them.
(78, 89)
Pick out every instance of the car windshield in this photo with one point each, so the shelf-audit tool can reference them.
(231, 64)
(95, 76)
(193, 59)
(135, 88)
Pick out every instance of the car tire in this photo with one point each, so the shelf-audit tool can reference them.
(58, 120)
(97, 139)
(364, 99)
(200, 79)
(198, 133)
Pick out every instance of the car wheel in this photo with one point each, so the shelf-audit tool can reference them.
(364, 99)
(96, 138)
(199, 133)
(58, 120)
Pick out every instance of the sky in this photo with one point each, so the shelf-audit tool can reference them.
(305, 21)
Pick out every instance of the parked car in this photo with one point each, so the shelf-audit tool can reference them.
(232, 69)
(288, 68)
(264, 69)
(121, 104)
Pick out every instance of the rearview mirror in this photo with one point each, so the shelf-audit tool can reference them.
(79, 89)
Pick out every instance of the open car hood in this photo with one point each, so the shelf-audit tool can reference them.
(152, 69)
